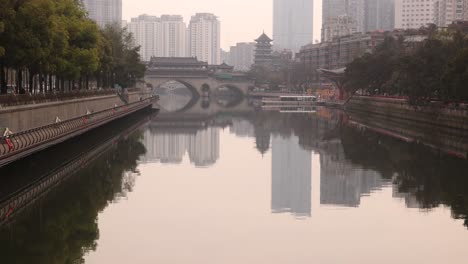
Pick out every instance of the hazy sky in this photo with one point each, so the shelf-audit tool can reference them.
(241, 20)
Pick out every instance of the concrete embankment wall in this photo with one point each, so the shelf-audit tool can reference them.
(443, 128)
(24, 117)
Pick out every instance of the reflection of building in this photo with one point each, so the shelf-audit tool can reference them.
(291, 177)
(292, 24)
(203, 148)
(167, 147)
(341, 183)
(410, 199)
(242, 128)
(104, 12)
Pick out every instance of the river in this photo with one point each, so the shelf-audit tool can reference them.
(236, 187)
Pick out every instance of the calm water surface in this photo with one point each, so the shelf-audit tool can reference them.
(253, 187)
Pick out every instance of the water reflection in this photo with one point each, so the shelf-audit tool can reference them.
(291, 177)
(59, 224)
(170, 147)
(317, 162)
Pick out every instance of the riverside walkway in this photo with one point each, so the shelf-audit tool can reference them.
(14, 146)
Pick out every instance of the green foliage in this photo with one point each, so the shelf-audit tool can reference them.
(436, 68)
(55, 38)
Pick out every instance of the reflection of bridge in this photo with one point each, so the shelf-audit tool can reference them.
(199, 77)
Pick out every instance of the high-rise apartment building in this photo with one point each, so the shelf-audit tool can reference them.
(159, 36)
(147, 32)
(342, 16)
(448, 11)
(337, 27)
(242, 56)
(379, 15)
(293, 24)
(413, 13)
(204, 37)
(104, 12)
(173, 38)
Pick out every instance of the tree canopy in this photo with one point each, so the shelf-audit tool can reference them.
(55, 46)
(434, 68)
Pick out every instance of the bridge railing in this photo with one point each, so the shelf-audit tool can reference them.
(12, 144)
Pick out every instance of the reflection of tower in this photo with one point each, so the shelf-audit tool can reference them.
(262, 139)
(341, 183)
(291, 177)
(203, 147)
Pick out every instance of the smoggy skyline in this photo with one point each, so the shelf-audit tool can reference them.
(241, 20)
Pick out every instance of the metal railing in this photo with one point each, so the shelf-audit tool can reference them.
(21, 199)
(13, 144)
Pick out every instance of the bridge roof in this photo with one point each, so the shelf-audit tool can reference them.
(192, 61)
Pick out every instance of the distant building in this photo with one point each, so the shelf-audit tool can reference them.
(448, 11)
(242, 56)
(337, 27)
(263, 51)
(352, 9)
(225, 56)
(147, 32)
(104, 12)
(204, 37)
(414, 14)
(335, 54)
(174, 34)
(293, 24)
(379, 15)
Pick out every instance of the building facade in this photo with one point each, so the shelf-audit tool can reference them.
(448, 11)
(335, 54)
(104, 12)
(293, 24)
(337, 27)
(242, 56)
(204, 37)
(147, 32)
(174, 34)
(159, 36)
(411, 14)
(379, 15)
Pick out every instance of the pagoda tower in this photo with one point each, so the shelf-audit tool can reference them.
(263, 51)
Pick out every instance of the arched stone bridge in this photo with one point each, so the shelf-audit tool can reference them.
(201, 86)
(199, 77)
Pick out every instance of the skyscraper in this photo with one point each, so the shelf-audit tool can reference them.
(104, 12)
(293, 24)
(160, 37)
(380, 15)
(147, 32)
(337, 12)
(204, 37)
(174, 33)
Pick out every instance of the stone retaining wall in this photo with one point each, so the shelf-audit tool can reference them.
(25, 117)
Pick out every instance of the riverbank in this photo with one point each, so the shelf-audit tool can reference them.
(438, 127)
